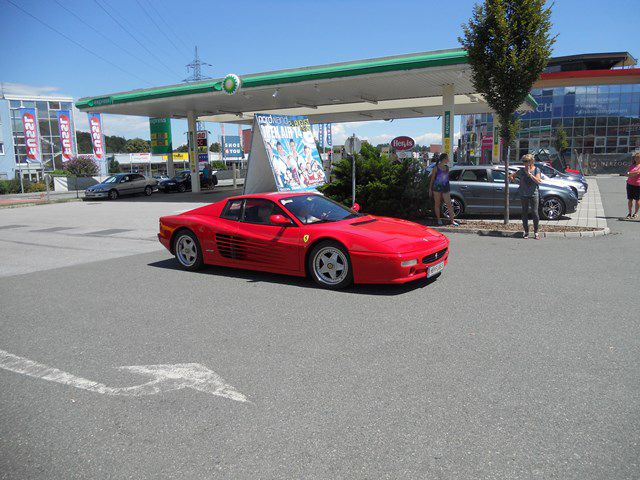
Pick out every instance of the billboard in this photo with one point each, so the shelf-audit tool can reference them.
(97, 141)
(31, 140)
(292, 152)
(160, 135)
(231, 148)
(66, 137)
(202, 143)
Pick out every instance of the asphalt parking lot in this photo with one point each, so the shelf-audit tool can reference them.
(521, 361)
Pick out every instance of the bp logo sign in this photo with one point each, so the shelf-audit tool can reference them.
(231, 84)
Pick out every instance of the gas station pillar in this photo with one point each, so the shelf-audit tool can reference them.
(194, 165)
(448, 103)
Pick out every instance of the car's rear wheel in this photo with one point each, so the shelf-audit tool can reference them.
(113, 194)
(552, 208)
(330, 265)
(458, 208)
(187, 251)
(148, 190)
(182, 188)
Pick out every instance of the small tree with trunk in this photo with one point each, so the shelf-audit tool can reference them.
(508, 45)
(561, 142)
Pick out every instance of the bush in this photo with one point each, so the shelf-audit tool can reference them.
(9, 186)
(35, 187)
(218, 165)
(81, 166)
(383, 187)
(58, 171)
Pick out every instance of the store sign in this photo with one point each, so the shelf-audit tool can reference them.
(66, 138)
(160, 135)
(177, 157)
(231, 148)
(97, 138)
(403, 143)
(140, 157)
(447, 132)
(30, 125)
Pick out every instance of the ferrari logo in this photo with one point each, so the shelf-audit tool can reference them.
(305, 239)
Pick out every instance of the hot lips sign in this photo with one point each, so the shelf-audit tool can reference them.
(97, 140)
(66, 140)
(30, 133)
(402, 143)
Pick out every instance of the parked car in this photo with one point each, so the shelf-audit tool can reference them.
(479, 189)
(552, 177)
(161, 177)
(122, 184)
(304, 234)
(182, 182)
(549, 171)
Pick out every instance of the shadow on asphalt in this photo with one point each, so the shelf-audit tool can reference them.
(207, 196)
(257, 277)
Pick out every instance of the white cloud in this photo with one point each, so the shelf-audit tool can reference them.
(11, 88)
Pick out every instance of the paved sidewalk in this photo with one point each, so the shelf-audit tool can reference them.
(590, 212)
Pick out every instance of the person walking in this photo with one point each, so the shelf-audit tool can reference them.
(529, 178)
(439, 189)
(633, 186)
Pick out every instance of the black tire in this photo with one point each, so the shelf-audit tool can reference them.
(458, 208)
(148, 190)
(182, 188)
(187, 250)
(552, 208)
(113, 194)
(329, 256)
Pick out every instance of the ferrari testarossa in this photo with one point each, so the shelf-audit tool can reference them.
(304, 234)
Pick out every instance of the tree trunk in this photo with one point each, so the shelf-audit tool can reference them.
(505, 155)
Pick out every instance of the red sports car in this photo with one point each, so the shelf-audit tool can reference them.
(304, 234)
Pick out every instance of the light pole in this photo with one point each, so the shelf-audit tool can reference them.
(353, 146)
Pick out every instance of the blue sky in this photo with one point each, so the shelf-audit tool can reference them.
(253, 36)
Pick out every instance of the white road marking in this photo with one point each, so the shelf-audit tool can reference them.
(165, 378)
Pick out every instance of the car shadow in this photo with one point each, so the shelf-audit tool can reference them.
(252, 276)
(205, 196)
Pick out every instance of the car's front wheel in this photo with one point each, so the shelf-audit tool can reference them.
(113, 194)
(148, 190)
(458, 208)
(187, 251)
(330, 265)
(182, 188)
(552, 208)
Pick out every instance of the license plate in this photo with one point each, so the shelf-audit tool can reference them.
(433, 269)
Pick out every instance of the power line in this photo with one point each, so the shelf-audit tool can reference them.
(134, 37)
(107, 38)
(158, 26)
(161, 17)
(76, 43)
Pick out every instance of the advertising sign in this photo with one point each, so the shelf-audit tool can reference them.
(30, 125)
(321, 135)
(202, 143)
(231, 148)
(292, 152)
(447, 132)
(403, 143)
(329, 136)
(97, 138)
(66, 138)
(160, 135)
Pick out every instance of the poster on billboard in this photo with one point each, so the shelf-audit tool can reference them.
(66, 138)
(231, 148)
(31, 138)
(160, 130)
(284, 156)
(97, 141)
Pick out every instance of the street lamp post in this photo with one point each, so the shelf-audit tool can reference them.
(353, 146)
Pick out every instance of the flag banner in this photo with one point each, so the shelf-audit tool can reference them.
(329, 136)
(66, 138)
(31, 139)
(292, 152)
(231, 148)
(97, 141)
(321, 135)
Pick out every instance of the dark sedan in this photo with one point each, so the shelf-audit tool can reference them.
(479, 189)
(182, 182)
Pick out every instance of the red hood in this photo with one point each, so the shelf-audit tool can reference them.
(392, 234)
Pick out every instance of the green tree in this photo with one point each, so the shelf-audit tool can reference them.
(83, 142)
(182, 149)
(561, 142)
(508, 45)
(81, 166)
(115, 144)
(137, 145)
(214, 147)
(114, 166)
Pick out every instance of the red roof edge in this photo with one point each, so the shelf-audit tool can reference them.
(622, 72)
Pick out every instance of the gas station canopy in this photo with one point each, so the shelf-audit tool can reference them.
(403, 86)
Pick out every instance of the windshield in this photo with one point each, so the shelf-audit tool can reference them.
(112, 179)
(316, 209)
(183, 174)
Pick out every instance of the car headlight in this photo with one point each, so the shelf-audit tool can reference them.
(409, 263)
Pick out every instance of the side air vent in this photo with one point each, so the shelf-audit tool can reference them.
(229, 246)
(363, 222)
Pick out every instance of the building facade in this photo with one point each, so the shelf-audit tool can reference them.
(594, 98)
(13, 147)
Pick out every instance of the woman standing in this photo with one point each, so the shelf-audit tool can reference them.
(439, 188)
(633, 186)
(530, 177)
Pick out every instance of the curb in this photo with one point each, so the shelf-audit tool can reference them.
(35, 203)
(510, 234)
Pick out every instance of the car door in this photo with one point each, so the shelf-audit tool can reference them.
(265, 246)
(477, 190)
(138, 183)
(219, 235)
(125, 185)
(497, 179)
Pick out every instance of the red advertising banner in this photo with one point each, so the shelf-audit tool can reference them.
(30, 126)
(66, 138)
(97, 138)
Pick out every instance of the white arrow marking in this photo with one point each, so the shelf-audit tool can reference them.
(165, 378)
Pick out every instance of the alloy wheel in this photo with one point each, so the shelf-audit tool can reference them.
(186, 251)
(552, 208)
(330, 265)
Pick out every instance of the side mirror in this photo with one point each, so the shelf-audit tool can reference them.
(355, 207)
(279, 220)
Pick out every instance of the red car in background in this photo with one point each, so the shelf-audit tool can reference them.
(304, 234)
